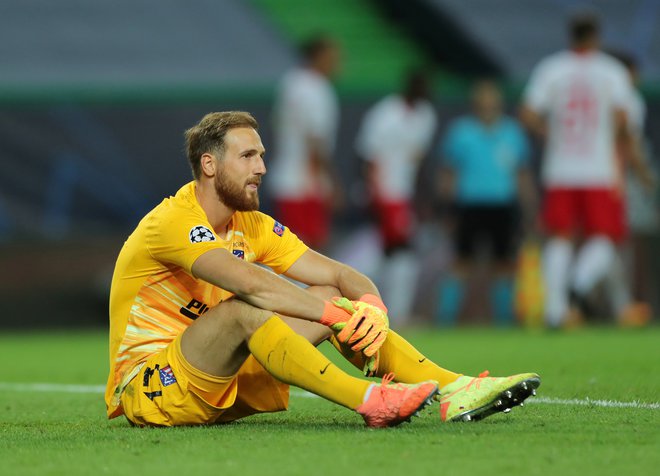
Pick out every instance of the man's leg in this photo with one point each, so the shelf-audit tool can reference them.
(463, 398)
(220, 341)
(557, 256)
(397, 355)
(592, 263)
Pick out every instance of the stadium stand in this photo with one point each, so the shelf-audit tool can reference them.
(499, 26)
(142, 49)
(376, 52)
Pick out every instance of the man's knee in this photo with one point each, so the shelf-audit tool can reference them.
(236, 316)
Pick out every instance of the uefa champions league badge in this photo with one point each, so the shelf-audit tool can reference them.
(278, 229)
(200, 234)
(239, 254)
(167, 376)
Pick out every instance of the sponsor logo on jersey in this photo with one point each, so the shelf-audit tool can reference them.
(200, 234)
(239, 254)
(167, 376)
(278, 229)
(194, 309)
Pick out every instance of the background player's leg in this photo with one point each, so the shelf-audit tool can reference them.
(219, 342)
(593, 261)
(557, 256)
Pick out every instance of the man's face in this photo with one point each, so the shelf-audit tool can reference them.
(329, 61)
(240, 170)
(487, 100)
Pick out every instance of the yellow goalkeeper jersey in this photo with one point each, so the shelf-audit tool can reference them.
(154, 295)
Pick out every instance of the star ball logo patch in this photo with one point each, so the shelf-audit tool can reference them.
(167, 376)
(239, 254)
(200, 234)
(278, 229)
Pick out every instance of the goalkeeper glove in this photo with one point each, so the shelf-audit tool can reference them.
(367, 328)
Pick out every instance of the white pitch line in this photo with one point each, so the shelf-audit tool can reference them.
(588, 402)
(51, 387)
(100, 389)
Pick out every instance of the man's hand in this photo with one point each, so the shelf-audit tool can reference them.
(367, 328)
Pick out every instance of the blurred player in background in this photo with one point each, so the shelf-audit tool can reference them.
(641, 207)
(199, 334)
(395, 135)
(486, 175)
(577, 101)
(306, 115)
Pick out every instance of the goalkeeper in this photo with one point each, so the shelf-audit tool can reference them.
(199, 334)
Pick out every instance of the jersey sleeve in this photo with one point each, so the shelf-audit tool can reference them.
(275, 245)
(180, 236)
(622, 90)
(537, 94)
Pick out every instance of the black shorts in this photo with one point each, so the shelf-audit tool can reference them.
(495, 226)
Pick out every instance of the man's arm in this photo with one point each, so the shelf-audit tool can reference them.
(631, 149)
(315, 269)
(257, 286)
(528, 197)
(533, 121)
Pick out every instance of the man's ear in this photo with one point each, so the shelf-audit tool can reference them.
(208, 164)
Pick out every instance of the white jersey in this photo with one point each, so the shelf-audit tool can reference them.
(306, 112)
(579, 93)
(395, 136)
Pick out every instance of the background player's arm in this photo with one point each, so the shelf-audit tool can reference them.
(533, 121)
(321, 166)
(631, 149)
(528, 197)
(257, 286)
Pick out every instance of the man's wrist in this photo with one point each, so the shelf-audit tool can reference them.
(333, 314)
(374, 301)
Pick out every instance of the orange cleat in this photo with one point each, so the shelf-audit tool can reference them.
(637, 314)
(390, 404)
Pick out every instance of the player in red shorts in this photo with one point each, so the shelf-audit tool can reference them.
(304, 183)
(576, 100)
(394, 137)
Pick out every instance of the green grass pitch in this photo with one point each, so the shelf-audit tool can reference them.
(55, 432)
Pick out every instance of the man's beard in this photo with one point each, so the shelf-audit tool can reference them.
(233, 195)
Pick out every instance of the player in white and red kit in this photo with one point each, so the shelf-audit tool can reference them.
(306, 116)
(394, 137)
(576, 100)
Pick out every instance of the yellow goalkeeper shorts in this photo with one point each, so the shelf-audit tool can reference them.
(168, 391)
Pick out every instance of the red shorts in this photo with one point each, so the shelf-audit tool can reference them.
(592, 211)
(308, 218)
(396, 222)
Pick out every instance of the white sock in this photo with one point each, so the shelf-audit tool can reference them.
(592, 263)
(557, 255)
(400, 281)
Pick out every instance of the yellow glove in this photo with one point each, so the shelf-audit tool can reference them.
(367, 328)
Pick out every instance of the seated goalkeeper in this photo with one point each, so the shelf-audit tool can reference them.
(199, 334)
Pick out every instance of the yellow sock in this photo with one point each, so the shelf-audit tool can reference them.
(290, 358)
(397, 355)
